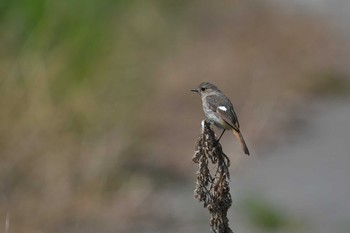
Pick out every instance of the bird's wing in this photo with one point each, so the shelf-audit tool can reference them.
(224, 109)
(229, 117)
(214, 102)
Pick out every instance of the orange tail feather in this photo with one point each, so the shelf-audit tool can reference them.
(241, 139)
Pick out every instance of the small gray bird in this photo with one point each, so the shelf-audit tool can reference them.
(219, 111)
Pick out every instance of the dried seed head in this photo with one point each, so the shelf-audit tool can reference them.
(213, 189)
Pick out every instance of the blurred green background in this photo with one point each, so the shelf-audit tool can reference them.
(97, 124)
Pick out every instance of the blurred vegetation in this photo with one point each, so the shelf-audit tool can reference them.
(74, 76)
(327, 83)
(264, 215)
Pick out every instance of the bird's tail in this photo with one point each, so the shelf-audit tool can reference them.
(241, 139)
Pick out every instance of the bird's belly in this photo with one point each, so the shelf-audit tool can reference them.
(221, 124)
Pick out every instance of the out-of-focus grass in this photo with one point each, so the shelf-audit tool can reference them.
(325, 83)
(265, 215)
(73, 78)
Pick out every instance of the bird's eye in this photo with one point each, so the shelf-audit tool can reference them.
(203, 88)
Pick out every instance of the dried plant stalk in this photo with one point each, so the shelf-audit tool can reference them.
(213, 190)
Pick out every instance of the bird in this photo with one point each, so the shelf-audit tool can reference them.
(219, 111)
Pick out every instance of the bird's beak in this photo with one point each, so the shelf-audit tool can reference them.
(195, 90)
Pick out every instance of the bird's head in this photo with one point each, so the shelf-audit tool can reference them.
(206, 88)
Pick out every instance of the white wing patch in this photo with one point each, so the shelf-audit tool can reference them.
(223, 108)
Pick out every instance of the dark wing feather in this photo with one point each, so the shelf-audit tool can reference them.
(228, 116)
(214, 102)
